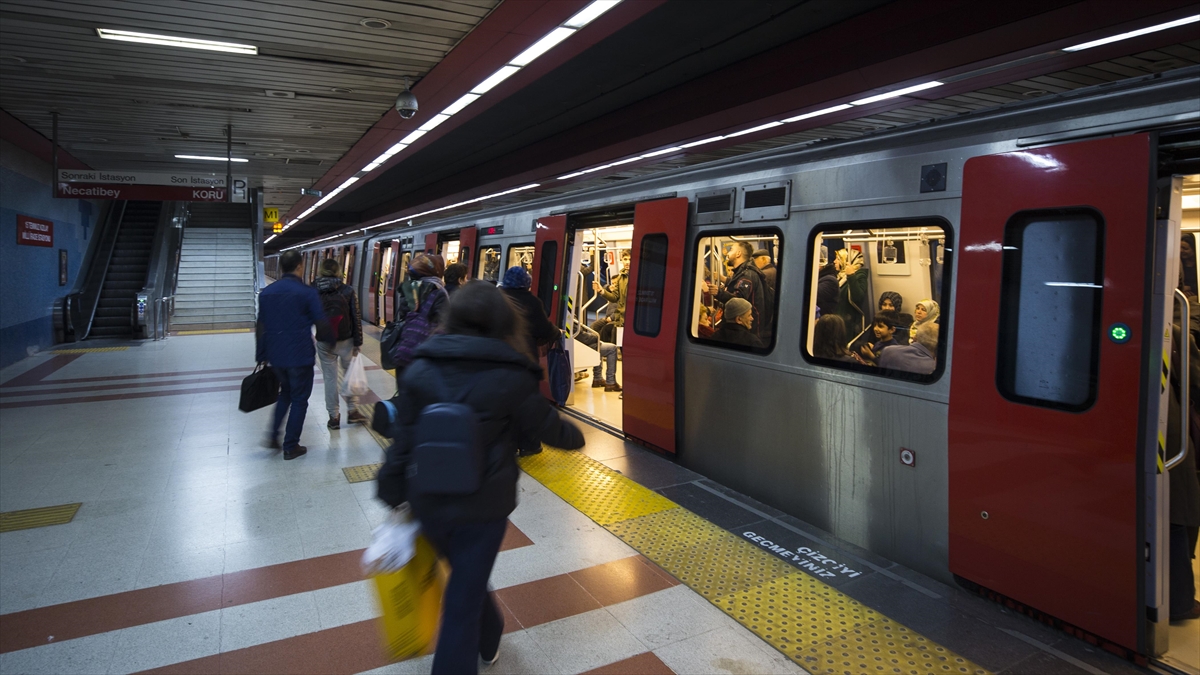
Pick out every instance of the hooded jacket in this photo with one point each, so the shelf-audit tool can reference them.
(334, 285)
(539, 330)
(505, 395)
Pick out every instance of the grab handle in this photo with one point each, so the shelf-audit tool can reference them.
(1185, 315)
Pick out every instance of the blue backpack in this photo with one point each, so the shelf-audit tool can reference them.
(447, 455)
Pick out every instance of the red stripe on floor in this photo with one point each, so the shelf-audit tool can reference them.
(37, 373)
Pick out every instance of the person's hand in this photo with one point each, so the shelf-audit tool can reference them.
(709, 288)
(596, 286)
(354, 353)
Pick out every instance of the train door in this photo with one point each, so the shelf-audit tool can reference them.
(383, 300)
(549, 244)
(373, 288)
(1058, 343)
(395, 277)
(652, 321)
(467, 237)
(431, 243)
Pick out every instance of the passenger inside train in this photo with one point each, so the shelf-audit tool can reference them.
(736, 267)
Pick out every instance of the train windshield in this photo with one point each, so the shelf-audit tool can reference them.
(876, 298)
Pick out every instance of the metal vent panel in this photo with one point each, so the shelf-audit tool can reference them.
(715, 207)
(765, 201)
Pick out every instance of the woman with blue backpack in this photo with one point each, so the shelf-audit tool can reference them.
(466, 402)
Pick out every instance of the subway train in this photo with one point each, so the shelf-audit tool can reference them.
(1019, 448)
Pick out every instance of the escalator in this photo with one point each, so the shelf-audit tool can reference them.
(126, 272)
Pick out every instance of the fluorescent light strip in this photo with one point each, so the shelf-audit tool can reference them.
(542, 46)
(707, 140)
(899, 92)
(1134, 33)
(818, 113)
(464, 101)
(494, 79)
(174, 41)
(664, 151)
(433, 122)
(412, 137)
(590, 13)
(211, 159)
(268, 239)
(751, 130)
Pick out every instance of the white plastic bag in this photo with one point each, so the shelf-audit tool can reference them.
(393, 542)
(355, 383)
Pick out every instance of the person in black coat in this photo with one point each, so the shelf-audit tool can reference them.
(479, 354)
(737, 325)
(827, 290)
(539, 331)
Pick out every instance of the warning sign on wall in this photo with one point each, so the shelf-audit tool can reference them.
(35, 231)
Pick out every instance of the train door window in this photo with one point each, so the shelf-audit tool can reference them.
(652, 277)
(736, 289)
(1051, 289)
(450, 252)
(487, 268)
(547, 284)
(875, 297)
(520, 254)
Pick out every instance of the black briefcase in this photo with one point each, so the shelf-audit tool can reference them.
(259, 390)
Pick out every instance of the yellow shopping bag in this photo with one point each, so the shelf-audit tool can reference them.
(411, 600)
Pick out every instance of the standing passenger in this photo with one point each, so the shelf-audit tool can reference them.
(616, 292)
(852, 289)
(538, 330)
(478, 361)
(341, 342)
(829, 339)
(429, 293)
(287, 312)
(747, 282)
(827, 290)
(456, 276)
(737, 326)
(762, 260)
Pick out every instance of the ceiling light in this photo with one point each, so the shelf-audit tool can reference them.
(97, 139)
(268, 239)
(623, 161)
(818, 113)
(590, 13)
(432, 122)
(375, 23)
(411, 138)
(341, 90)
(496, 78)
(316, 126)
(542, 46)
(751, 130)
(707, 140)
(1191, 202)
(898, 92)
(572, 175)
(212, 159)
(1134, 33)
(464, 101)
(172, 41)
(664, 151)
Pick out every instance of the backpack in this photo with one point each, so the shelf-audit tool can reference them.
(387, 342)
(337, 312)
(416, 328)
(447, 456)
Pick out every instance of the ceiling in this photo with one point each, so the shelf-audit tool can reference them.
(134, 106)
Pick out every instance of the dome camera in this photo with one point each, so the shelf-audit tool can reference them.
(406, 103)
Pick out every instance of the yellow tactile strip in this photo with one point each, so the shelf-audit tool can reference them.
(214, 331)
(89, 350)
(820, 628)
(361, 474)
(368, 410)
(42, 517)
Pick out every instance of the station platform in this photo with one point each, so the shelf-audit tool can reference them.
(190, 548)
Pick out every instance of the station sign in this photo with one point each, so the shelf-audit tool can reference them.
(35, 231)
(140, 185)
(271, 214)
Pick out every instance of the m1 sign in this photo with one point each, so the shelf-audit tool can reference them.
(80, 184)
(35, 231)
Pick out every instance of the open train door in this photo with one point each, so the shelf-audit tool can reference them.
(373, 288)
(431, 242)
(549, 244)
(466, 247)
(652, 321)
(1058, 335)
(389, 289)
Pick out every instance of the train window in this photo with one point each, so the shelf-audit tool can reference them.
(1051, 289)
(736, 289)
(488, 267)
(547, 284)
(652, 277)
(520, 254)
(876, 297)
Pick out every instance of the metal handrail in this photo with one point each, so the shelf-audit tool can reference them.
(1185, 402)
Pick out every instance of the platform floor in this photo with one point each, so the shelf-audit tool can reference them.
(196, 550)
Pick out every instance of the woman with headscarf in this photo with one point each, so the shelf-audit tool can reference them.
(926, 311)
(852, 290)
(891, 300)
(424, 286)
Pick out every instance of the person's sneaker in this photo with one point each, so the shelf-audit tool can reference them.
(597, 383)
(355, 417)
(335, 422)
(580, 375)
(1188, 616)
(492, 661)
(612, 387)
(526, 453)
(295, 452)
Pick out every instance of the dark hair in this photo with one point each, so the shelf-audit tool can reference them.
(482, 310)
(426, 265)
(827, 271)
(455, 274)
(829, 337)
(887, 318)
(289, 261)
(746, 248)
(329, 267)
(894, 297)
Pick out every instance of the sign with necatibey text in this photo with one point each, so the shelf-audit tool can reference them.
(141, 185)
(35, 231)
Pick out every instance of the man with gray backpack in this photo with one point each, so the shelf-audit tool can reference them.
(339, 341)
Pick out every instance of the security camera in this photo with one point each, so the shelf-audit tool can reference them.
(406, 104)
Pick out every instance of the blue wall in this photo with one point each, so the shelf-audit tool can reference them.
(30, 273)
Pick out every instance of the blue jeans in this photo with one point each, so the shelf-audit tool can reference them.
(295, 386)
(471, 624)
(608, 354)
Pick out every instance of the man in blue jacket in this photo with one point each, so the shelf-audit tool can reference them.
(287, 311)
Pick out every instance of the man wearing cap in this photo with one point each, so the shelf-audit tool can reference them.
(737, 327)
(539, 330)
(762, 260)
(748, 283)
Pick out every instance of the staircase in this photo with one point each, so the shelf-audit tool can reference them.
(126, 271)
(216, 276)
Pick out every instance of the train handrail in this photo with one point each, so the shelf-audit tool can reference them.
(1185, 351)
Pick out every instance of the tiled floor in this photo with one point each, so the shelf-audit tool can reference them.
(198, 550)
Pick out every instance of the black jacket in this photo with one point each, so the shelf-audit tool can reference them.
(748, 283)
(425, 288)
(333, 285)
(737, 334)
(506, 394)
(539, 330)
(827, 294)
